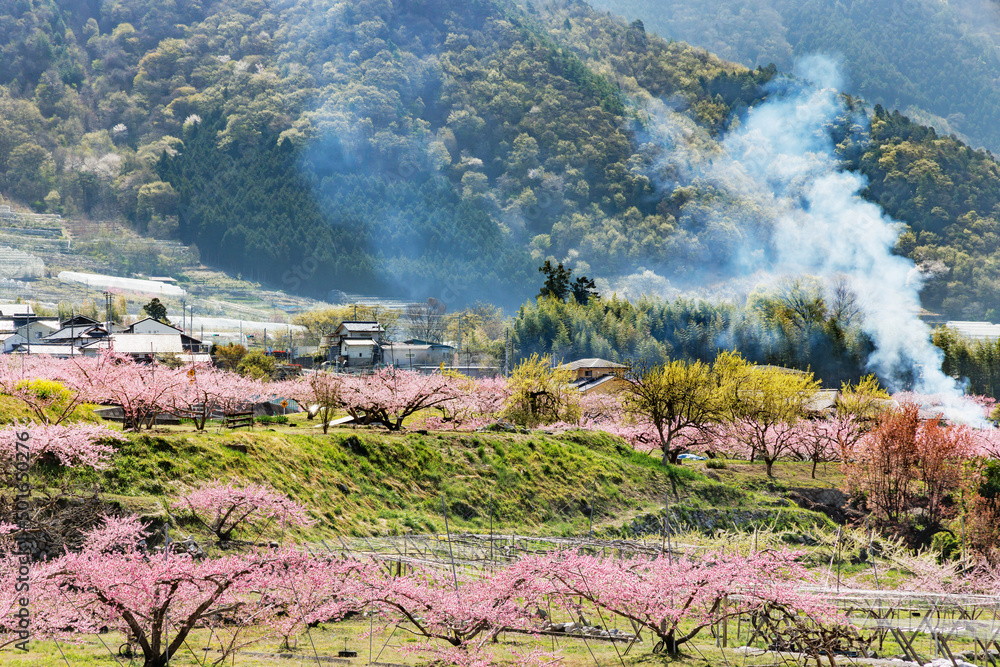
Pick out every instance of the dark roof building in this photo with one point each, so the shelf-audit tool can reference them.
(77, 332)
(358, 329)
(79, 320)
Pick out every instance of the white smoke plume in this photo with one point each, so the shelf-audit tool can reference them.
(810, 219)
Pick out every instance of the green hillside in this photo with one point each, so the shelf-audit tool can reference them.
(412, 148)
(366, 483)
(946, 192)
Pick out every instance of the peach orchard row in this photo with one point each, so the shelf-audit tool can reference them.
(53, 389)
(157, 598)
(244, 595)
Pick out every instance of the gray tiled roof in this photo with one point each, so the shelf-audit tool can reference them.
(590, 363)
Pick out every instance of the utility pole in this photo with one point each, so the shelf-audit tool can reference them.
(107, 310)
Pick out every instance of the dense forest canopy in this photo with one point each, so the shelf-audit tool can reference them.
(429, 147)
(935, 61)
(792, 324)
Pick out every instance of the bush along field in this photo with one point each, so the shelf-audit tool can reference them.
(481, 522)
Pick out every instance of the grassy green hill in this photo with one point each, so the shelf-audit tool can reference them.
(358, 483)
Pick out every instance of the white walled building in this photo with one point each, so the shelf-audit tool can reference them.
(414, 353)
(357, 344)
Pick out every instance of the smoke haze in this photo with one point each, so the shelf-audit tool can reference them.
(780, 167)
(934, 61)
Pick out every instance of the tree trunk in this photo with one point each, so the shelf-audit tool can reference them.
(768, 462)
(815, 463)
(201, 418)
(668, 457)
(159, 660)
(669, 642)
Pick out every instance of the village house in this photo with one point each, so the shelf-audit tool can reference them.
(75, 332)
(356, 345)
(593, 375)
(16, 312)
(150, 326)
(26, 334)
(415, 353)
(81, 335)
(148, 339)
(52, 337)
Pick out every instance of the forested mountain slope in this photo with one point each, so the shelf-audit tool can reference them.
(946, 192)
(417, 147)
(936, 61)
